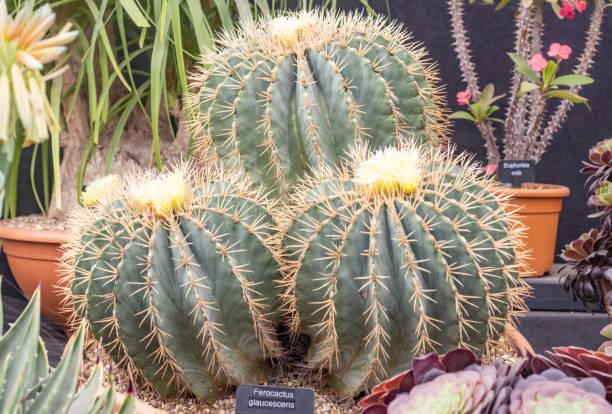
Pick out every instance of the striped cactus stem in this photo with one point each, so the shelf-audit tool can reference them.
(177, 275)
(296, 92)
(401, 252)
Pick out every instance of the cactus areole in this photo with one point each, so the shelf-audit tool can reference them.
(177, 277)
(404, 252)
(296, 92)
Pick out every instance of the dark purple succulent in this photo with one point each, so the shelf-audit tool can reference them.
(588, 263)
(578, 363)
(600, 166)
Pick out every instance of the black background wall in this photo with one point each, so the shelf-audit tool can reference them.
(492, 36)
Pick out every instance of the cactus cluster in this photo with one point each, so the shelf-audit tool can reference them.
(28, 385)
(298, 91)
(177, 275)
(401, 252)
(385, 247)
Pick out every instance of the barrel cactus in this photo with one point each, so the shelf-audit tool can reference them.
(297, 91)
(177, 275)
(401, 252)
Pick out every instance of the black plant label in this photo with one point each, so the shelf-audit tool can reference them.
(262, 399)
(516, 172)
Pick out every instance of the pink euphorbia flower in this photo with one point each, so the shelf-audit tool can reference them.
(463, 98)
(538, 62)
(562, 51)
(490, 169)
(580, 5)
(567, 10)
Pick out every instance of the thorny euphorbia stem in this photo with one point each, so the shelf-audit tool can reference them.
(468, 71)
(538, 108)
(537, 102)
(516, 105)
(462, 47)
(486, 130)
(585, 62)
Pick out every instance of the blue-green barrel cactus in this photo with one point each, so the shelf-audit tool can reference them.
(296, 92)
(178, 277)
(402, 252)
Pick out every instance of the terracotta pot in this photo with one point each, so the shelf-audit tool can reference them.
(538, 207)
(33, 256)
(521, 344)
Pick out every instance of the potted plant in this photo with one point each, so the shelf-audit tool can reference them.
(587, 272)
(537, 83)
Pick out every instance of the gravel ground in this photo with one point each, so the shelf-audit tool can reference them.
(35, 221)
(326, 402)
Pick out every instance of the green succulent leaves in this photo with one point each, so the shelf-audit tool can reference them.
(28, 386)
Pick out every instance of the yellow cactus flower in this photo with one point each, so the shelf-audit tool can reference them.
(289, 31)
(100, 191)
(163, 195)
(23, 53)
(390, 171)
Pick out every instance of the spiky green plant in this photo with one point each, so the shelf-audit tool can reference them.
(177, 276)
(297, 91)
(401, 252)
(28, 386)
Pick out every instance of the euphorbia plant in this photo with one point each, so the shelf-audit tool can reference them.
(536, 81)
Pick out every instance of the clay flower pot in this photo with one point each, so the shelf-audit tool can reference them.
(538, 207)
(33, 256)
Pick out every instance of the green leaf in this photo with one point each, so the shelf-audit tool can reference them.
(607, 331)
(159, 58)
(86, 398)
(56, 99)
(225, 15)
(548, 73)
(565, 94)
(129, 405)
(523, 67)
(462, 115)
(20, 342)
(526, 87)
(502, 4)
(486, 97)
(59, 390)
(134, 12)
(201, 27)
(492, 109)
(572, 80)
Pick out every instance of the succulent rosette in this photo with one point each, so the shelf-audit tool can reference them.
(602, 198)
(553, 392)
(588, 263)
(578, 363)
(455, 382)
(600, 166)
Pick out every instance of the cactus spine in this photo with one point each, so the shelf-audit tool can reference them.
(297, 92)
(177, 278)
(404, 252)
